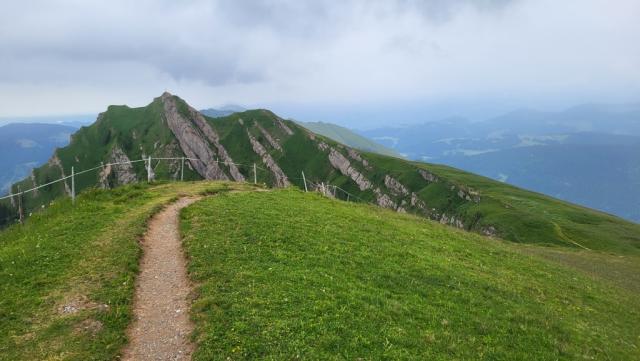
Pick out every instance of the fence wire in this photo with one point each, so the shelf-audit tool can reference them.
(320, 186)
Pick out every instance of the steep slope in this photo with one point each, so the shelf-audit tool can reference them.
(227, 149)
(586, 155)
(604, 177)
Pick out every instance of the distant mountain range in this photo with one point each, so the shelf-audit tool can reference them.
(222, 111)
(588, 154)
(26, 146)
(75, 121)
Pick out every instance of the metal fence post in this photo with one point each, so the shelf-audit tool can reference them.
(304, 180)
(73, 186)
(149, 170)
(20, 210)
(255, 174)
(182, 170)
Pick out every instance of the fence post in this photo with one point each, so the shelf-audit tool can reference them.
(304, 180)
(20, 210)
(73, 186)
(149, 170)
(182, 170)
(255, 174)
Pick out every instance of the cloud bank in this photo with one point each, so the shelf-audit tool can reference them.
(72, 56)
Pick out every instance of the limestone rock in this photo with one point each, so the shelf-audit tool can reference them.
(283, 126)
(214, 139)
(341, 163)
(452, 221)
(123, 173)
(281, 179)
(395, 186)
(272, 141)
(191, 142)
(428, 176)
(383, 200)
(55, 162)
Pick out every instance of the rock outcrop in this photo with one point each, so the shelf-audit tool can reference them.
(323, 146)
(452, 221)
(283, 126)
(353, 154)
(274, 142)
(395, 186)
(281, 179)
(191, 142)
(469, 195)
(417, 202)
(383, 200)
(428, 176)
(122, 172)
(214, 139)
(341, 163)
(55, 162)
(489, 231)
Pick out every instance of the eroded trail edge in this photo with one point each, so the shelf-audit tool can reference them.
(161, 327)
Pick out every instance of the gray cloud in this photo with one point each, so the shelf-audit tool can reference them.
(323, 51)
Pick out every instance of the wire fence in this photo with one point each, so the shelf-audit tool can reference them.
(324, 188)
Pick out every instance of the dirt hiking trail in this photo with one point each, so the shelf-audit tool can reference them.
(161, 327)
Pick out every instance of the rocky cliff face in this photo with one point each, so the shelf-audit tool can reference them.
(191, 141)
(274, 142)
(121, 171)
(341, 163)
(281, 179)
(55, 162)
(214, 139)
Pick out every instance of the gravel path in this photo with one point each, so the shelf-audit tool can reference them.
(161, 326)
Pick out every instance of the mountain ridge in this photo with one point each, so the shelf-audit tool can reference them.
(227, 149)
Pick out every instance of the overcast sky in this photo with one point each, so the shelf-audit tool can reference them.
(317, 59)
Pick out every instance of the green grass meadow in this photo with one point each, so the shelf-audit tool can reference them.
(287, 275)
(67, 275)
(283, 274)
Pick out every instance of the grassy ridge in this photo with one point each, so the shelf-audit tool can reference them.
(469, 201)
(67, 274)
(349, 137)
(529, 217)
(286, 275)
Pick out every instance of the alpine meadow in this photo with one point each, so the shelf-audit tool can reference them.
(319, 180)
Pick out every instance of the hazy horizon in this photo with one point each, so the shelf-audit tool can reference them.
(356, 63)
